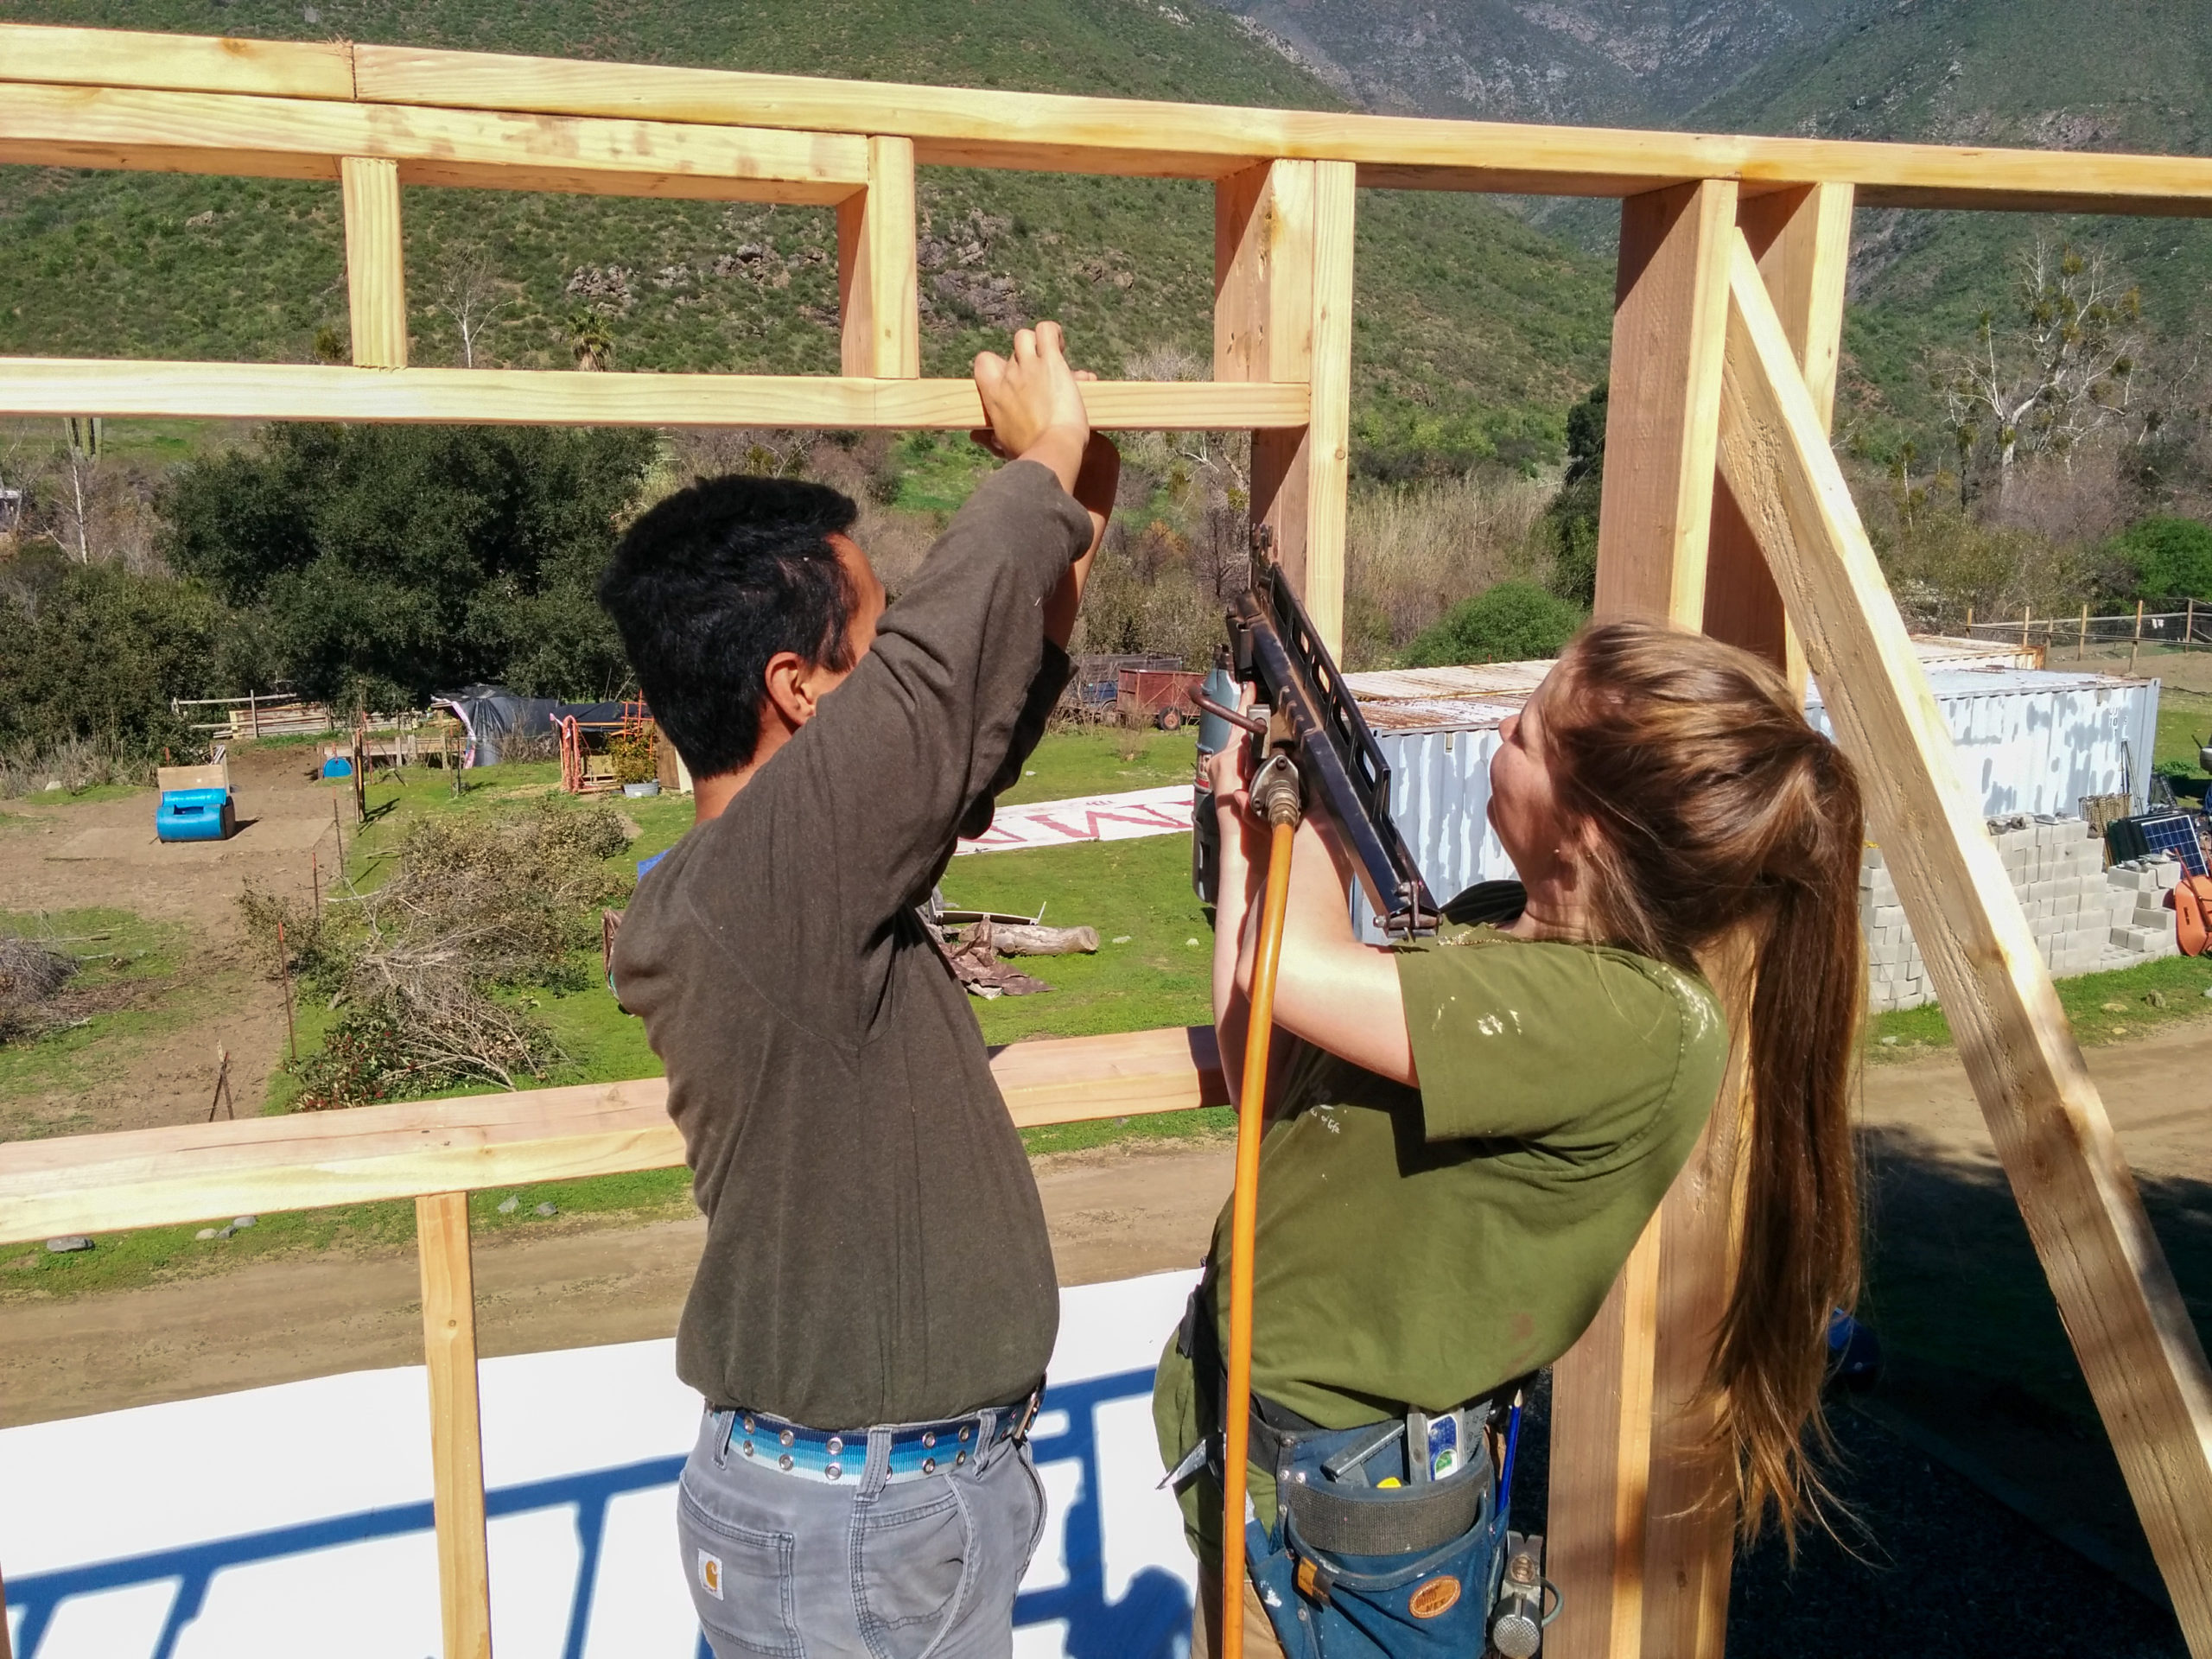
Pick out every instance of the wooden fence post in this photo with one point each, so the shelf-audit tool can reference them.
(457, 1433)
(376, 265)
(1283, 312)
(1803, 240)
(878, 319)
(2138, 1349)
(1669, 314)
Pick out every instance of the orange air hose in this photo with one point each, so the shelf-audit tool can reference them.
(1251, 1112)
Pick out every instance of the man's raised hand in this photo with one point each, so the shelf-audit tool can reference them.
(1035, 404)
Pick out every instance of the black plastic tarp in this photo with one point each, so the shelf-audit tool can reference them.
(491, 713)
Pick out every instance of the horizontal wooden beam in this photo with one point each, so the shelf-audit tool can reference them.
(305, 138)
(295, 391)
(954, 126)
(961, 127)
(153, 1178)
(201, 63)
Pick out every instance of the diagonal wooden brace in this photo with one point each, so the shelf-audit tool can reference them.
(2123, 1313)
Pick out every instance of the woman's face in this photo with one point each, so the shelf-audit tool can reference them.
(1525, 808)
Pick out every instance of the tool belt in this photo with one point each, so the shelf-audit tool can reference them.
(1353, 1569)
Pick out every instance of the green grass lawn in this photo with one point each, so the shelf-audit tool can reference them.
(2104, 1007)
(1104, 760)
(1136, 891)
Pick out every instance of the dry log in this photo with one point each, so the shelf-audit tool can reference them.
(1034, 939)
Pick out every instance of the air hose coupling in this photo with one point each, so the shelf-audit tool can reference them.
(1277, 796)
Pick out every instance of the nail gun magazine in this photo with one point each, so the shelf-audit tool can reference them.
(1309, 711)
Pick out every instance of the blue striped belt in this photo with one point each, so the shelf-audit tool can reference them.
(918, 1450)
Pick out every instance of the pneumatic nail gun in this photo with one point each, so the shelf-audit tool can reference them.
(1274, 649)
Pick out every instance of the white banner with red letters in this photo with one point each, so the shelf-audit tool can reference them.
(1164, 811)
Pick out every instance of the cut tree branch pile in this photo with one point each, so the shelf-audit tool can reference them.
(473, 909)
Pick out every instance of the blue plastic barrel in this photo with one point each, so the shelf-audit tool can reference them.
(195, 814)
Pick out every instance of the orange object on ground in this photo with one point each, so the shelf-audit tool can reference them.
(2192, 903)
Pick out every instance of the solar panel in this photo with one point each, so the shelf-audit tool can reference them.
(2176, 834)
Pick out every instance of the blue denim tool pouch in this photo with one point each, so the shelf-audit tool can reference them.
(1334, 1579)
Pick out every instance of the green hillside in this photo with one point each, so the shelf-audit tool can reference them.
(2082, 74)
(1476, 330)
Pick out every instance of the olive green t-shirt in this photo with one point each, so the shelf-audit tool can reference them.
(1420, 1247)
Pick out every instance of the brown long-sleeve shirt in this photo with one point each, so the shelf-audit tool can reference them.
(876, 1252)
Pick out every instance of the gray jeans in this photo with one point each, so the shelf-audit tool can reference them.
(802, 1569)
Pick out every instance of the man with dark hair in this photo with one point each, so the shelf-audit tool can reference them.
(872, 1315)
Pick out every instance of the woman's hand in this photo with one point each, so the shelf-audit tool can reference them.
(1227, 773)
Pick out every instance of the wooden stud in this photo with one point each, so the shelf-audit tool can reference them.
(299, 391)
(1263, 330)
(1328, 468)
(456, 1431)
(1803, 239)
(1601, 1456)
(1669, 310)
(1283, 312)
(2138, 1349)
(1263, 273)
(165, 1177)
(880, 321)
(303, 139)
(375, 263)
(1667, 330)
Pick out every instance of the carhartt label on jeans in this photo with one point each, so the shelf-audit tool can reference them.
(710, 1575)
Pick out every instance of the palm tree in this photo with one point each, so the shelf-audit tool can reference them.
(589, 340)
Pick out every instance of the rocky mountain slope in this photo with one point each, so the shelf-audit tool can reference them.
(1611, 62)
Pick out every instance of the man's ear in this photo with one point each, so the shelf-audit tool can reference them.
(788, 693)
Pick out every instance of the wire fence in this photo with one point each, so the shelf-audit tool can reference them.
(2178, 624)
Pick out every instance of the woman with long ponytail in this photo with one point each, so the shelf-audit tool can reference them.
(1470, 1133)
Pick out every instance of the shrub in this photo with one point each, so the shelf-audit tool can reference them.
(93, 655)
(2168, 557)
(473, 909)
(1410, 552)
(1514, 621)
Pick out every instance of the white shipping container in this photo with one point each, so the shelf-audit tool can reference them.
(2028, 741)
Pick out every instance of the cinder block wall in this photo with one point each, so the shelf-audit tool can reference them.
(2086, 918)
